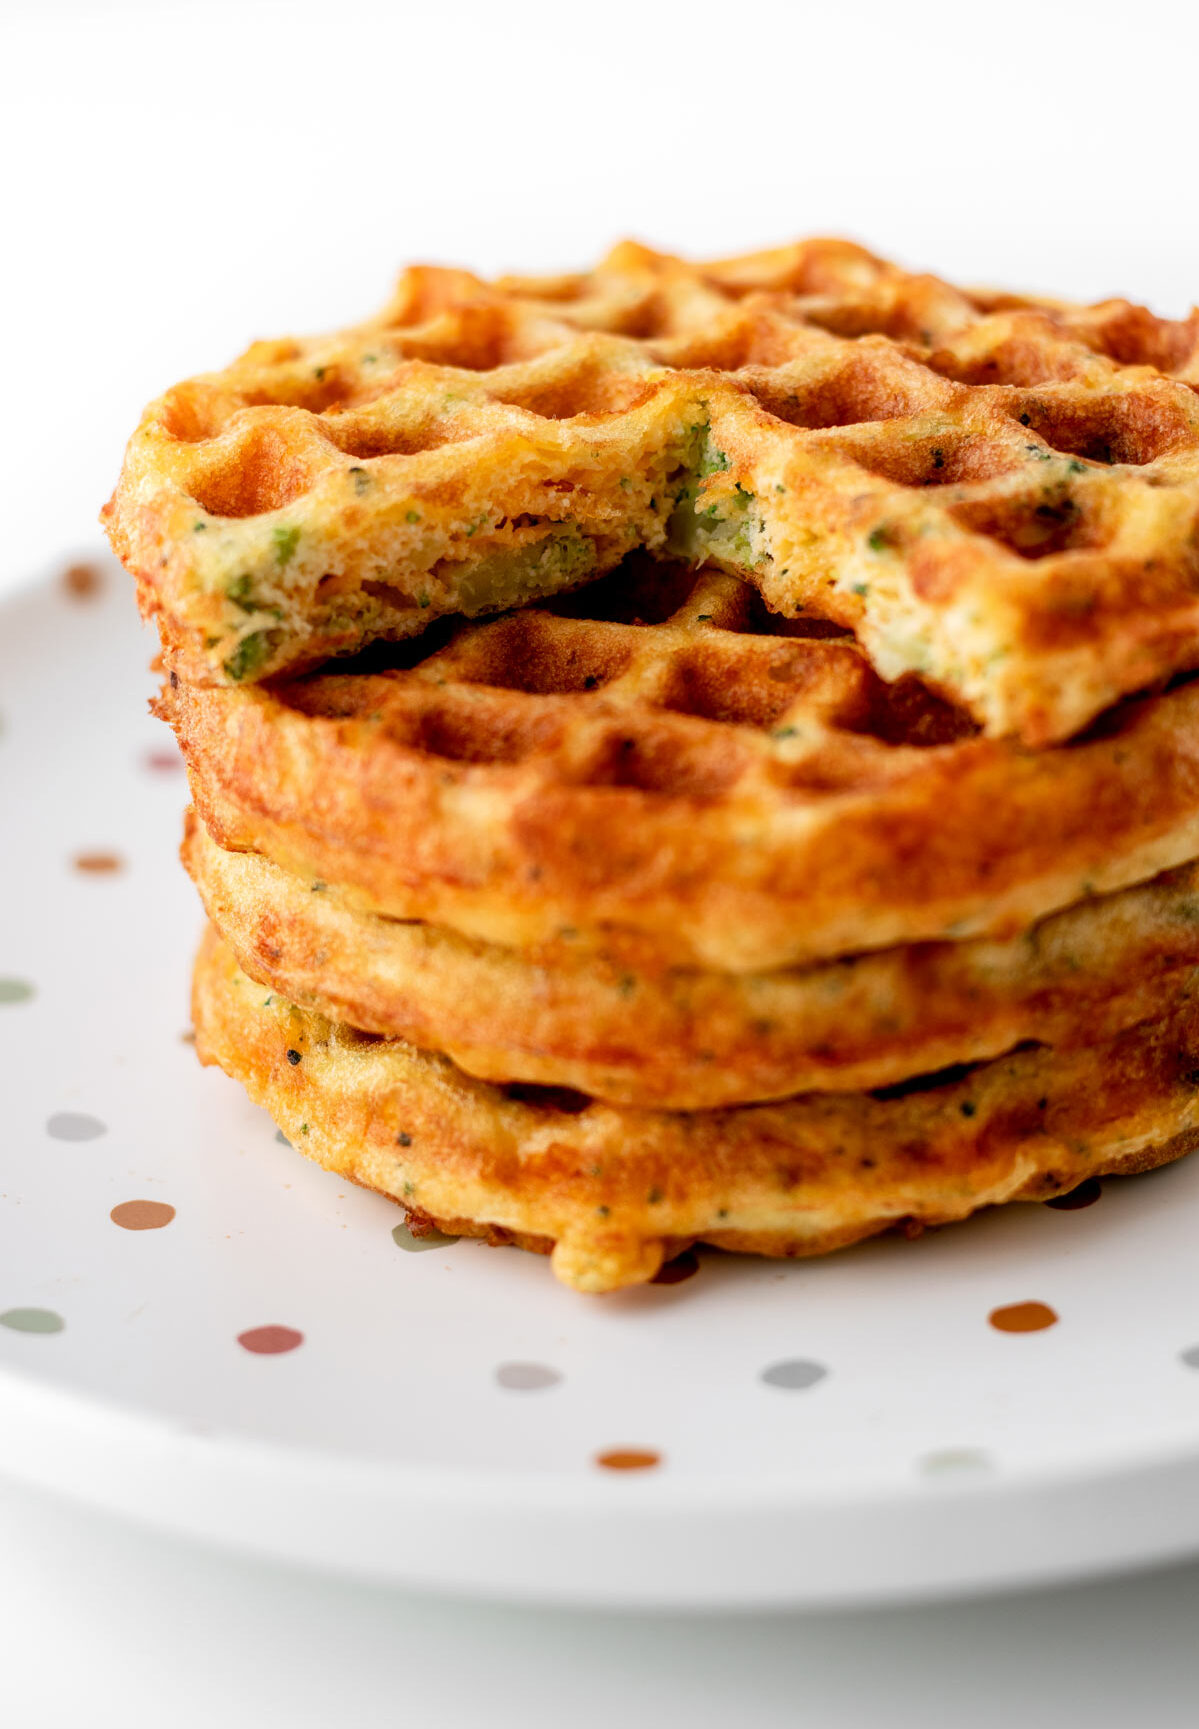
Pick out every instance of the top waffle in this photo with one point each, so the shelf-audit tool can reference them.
(999, 494)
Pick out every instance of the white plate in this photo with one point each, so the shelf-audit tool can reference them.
(842, 1430)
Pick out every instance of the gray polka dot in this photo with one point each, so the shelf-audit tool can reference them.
(954, 1462)
(32, 1321)
(75, 1126)
(794, 1374)
(527, 1377)
(15, 990)
(1190, 1357)
(403, 1238)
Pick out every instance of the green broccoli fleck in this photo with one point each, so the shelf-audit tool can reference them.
(249, 655)
(713, 461)
(412, 516)
(241, 592)
(286, 540)
(361, 479)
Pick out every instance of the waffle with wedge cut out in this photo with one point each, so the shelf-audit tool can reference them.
(683, 1039)
(661, 768)
(998, 493)
(614, 1192)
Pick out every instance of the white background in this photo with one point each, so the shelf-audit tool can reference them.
(178, 179)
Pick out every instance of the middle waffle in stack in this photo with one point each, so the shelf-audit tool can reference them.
(713, 934)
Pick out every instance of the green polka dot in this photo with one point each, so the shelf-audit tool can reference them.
(403, 1238)
(32, 1321)
(15, 990)
(955, 1462)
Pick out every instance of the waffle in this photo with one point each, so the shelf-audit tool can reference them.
(998, 493)
(707, 788)
(681, 1039)
(612, 1191)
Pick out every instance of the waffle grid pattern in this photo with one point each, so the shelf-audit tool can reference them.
(999, 494)
(712, 785)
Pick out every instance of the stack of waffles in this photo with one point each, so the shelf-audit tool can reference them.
(692, 752)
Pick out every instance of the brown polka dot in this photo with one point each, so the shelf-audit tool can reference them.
(628, 1459)
(1023, 1318)
(82, 581)
(98, 863)
(1085, 1195)
(684, 1266)
(142, 1215)
(189, 1037)
(270, 1341)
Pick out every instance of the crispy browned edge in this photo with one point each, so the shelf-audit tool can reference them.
(616, 1191)
(978, 837)
(689, 1040)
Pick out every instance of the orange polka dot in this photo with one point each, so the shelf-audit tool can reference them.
(98, 863)
(1023, 1318)
(82, 581)
(628, 1459)
(142, 1215)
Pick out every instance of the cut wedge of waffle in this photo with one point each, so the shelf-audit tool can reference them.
(663, 770)
(614, 1192)
(682, 1039)
(998, 493)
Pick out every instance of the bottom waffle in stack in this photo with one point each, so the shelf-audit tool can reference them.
(648, 918)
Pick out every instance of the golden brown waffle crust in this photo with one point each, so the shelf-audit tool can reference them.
(997, 493)
(614, 1191)
(611, 820)
(681, 1039)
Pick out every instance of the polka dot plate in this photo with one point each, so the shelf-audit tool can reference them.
(200, 1330)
